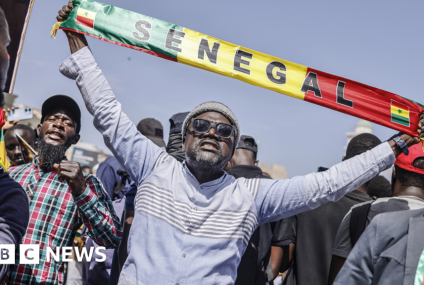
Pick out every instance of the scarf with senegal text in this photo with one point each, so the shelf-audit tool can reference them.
(176, 43)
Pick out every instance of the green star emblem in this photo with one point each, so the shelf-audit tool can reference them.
(86, 13)
(400, 111)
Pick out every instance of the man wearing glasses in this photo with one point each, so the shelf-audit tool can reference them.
(192, 220)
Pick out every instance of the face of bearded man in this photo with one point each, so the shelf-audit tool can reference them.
(57, 133)
(208, 152)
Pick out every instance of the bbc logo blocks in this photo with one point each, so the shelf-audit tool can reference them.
(7, 254)
(28, 254)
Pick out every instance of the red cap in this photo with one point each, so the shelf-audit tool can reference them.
(406, 161)
(2, 122)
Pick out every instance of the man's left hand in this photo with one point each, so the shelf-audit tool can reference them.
(8, 124)
(71, 172)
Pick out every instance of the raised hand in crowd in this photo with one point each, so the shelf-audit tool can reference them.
(8, 124)
(76, 41)
(70, 171)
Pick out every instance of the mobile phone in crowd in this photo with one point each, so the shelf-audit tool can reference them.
(20, 114)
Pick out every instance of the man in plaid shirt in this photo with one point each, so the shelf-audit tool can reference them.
(62, 197)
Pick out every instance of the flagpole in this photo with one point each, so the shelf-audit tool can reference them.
(21, 44)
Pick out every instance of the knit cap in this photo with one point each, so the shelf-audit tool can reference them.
(213, 107)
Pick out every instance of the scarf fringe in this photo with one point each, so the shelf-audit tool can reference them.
(422, 141)
(54, 29)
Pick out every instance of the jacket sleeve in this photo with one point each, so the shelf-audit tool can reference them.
(278, 199)
(14, 215)
(98, 215)
(133, 150)
(359, 266)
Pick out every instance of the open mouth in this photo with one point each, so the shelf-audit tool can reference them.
(209, 145)
(55, 135)
(19, 159)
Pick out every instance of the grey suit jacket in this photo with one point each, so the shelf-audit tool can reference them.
(387, 252)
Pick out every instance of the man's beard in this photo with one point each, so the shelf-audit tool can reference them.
(205, 162)
(51, 154)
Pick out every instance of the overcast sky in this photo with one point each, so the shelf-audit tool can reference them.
(379, 43)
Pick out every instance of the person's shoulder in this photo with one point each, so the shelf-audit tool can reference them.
(91, 178)
(19, 168)
(393, 218)
(108, 162)
(361, 204)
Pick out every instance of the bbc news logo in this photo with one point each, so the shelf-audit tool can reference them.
(30, 254)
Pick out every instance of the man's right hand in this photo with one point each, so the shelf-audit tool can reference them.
(64, 12)
(76, 41)
(409, 140)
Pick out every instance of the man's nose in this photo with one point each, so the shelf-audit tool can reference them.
(17, 150)
(59, 124)
(212, 133)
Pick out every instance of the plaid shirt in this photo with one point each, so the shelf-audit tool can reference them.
(55, 217)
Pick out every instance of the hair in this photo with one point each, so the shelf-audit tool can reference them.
(24, 128)
(360, 144)
(379, 187)
(85, 167)
(409, 178)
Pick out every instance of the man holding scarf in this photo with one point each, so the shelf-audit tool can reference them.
(192, 220)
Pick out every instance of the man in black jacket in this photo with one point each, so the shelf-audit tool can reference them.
(268, 247)
(14, 207)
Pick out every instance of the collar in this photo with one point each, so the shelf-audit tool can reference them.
(45, 167)
(209, 183)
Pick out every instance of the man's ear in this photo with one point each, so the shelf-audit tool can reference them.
(257, 163)
(39, 129)
(75, 139)
(184, 140)
(343, 158)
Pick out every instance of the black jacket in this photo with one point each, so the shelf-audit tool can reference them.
(14, 215)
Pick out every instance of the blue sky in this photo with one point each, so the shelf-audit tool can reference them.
(378, 43)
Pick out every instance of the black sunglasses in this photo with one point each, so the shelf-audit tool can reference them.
(203, 126)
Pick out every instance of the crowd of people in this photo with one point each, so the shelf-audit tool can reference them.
(199, 210)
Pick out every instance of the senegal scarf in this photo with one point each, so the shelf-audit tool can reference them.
(176, 43)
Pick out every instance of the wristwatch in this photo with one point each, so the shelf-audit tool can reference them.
(401, 144)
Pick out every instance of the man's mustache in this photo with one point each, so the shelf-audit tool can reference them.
(212, 141)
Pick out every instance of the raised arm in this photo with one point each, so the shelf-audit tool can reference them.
(135, 153)
(278, 199)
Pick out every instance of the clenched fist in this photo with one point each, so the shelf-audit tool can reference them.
(76, 41)
(64, 12)
(72, 173)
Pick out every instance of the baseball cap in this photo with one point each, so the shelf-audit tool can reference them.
(153, 130)
(249, 143)
(406, 161)
(177, 121)
(65, 102)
